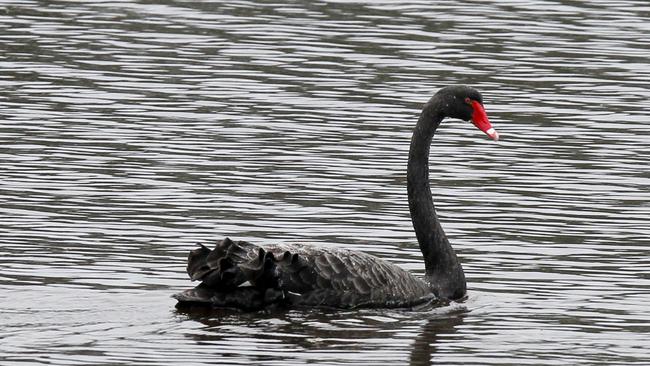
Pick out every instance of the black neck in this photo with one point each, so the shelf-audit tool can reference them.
(443, 270)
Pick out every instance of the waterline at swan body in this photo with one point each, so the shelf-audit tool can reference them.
(237, 274)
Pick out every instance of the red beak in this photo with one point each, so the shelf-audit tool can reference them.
(481, 121)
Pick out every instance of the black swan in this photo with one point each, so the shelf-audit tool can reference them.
(238, 274)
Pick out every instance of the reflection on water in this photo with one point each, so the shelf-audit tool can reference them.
(319, 336)
(131, 131)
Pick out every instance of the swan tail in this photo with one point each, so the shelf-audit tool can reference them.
(220, 268)
(233, 263)
(236, 274)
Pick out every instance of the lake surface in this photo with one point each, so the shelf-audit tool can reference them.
(130, 131)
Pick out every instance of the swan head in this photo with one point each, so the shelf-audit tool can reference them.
(465, 103)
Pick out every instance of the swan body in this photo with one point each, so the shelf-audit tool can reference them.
(298, 275)
(242, 275)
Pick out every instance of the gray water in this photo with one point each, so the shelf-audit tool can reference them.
(129, 131)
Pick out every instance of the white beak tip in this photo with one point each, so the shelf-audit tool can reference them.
(494, 135)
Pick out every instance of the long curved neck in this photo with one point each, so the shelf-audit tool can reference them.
(443, 270)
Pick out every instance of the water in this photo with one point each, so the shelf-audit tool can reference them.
(132, 130)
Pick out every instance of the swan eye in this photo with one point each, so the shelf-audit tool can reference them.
(468, 101)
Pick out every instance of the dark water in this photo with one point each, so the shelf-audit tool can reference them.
(131, 130)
